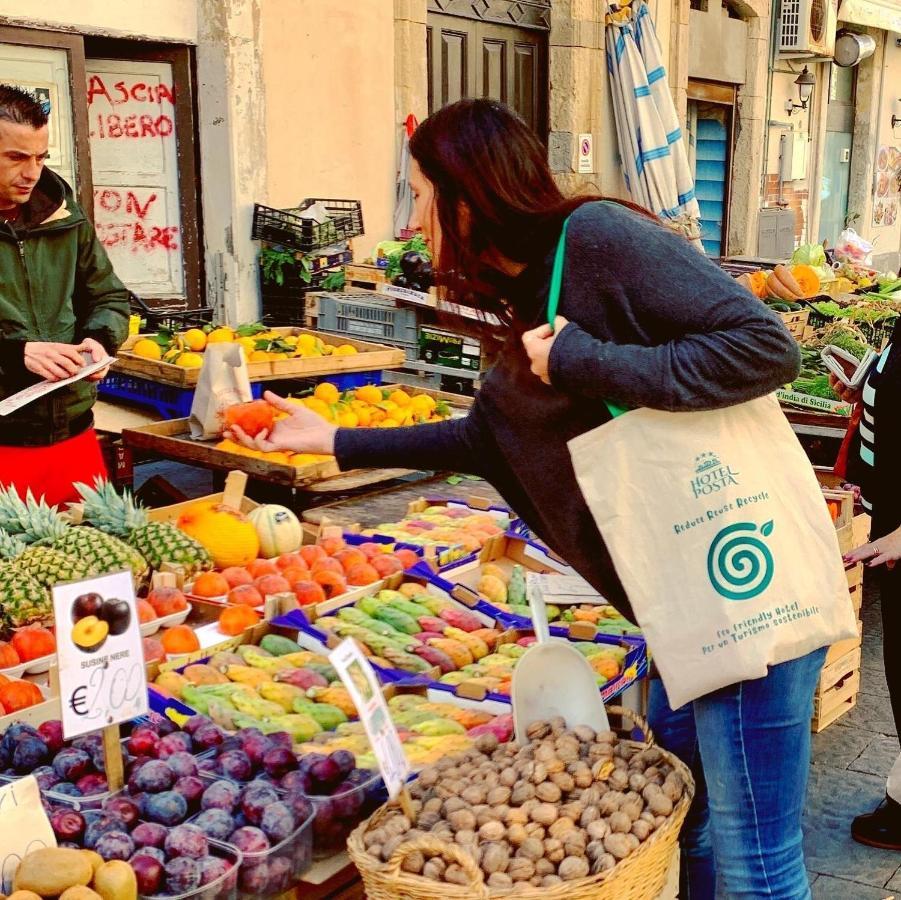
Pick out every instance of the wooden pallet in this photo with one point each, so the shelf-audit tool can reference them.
(369, 357)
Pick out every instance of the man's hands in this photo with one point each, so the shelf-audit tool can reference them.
(538, 343)
(303, 431)
(849, 395)
(55, 362)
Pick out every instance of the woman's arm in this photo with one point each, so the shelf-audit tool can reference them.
(460, 445)
(714, 344)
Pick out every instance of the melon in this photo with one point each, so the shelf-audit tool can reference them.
(278, 529)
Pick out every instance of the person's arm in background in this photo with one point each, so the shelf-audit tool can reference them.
(101, 300)
(456, 445)
(720, 345)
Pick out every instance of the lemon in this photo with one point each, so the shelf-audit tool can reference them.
(348, 419)
(344, 350)
(317, 406)
(194, 339)
(147, 349)
(306, 342)
(221, 335)
(401, 398)
(369, 394)
(422, 404)
(189, 360)
(258, 356)
(248, 343)
(364, 417)
(291, 340)
(326, 392)
(388, 405)
(400, 415)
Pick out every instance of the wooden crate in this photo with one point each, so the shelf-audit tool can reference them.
(365, 277)
(845, 538)
(840, 650)
(369, 357)
(844, 502)
(832, 704)
(796, 322)
(860, 527)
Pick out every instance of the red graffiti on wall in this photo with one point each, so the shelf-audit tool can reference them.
(121, 221)
(125, 92)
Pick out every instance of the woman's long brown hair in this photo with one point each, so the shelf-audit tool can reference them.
(481, 156)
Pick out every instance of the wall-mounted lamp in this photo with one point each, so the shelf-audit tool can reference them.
(896, 119)
(805, 82)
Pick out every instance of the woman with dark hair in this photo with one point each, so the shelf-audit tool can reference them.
(646, 321)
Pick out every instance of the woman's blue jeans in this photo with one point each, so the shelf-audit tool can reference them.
(748, 746)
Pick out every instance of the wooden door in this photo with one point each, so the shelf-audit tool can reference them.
(472, 58)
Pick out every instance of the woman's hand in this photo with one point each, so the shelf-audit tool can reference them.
(303, 431)
(849, 395)
(538, 343)
(886, 550)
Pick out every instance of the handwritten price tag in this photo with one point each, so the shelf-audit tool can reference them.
(24, 827)
(363, 686)
(101, 661)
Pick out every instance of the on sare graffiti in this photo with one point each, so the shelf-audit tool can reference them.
(130, 125)
(120, 221)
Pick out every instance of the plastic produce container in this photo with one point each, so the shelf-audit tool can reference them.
(225, 887)
(336, 816)
(273, 872)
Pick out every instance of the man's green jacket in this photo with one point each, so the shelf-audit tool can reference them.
(56, 284)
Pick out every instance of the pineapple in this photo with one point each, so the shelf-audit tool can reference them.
(22, 599)
(104, 552)
(49, 567)
(32, 521)
(157, 542)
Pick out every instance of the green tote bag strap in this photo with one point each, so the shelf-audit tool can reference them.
(553, 300)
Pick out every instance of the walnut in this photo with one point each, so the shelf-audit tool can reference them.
(509, 777)
(598, 830)
(516, 816)
(538, 730)
(564, 781)
(375, 850)
(610, 803)
(633, 808)
(544, 867)
(434, 804)
(574, 843)
(619, 822)
(494, 857)
(498, 796)
(603, 864)
(553, 850)
(414, 863)
(548, 792)
(452, 805)
(550, 881)
(499, 880)
(573, 867)
(589, 814)
(660, 805)
(572, 810)
(473, 795)
(591, 796)
(674, 787)
(561, 827)
(391, 845)
(521, 869)
(523, 792)
(429, 777)
(427, 819)
(434, 869)
(516, 835)
(637, 782)
(618, 780)
(532, 849)
(642, 830)
(486, 743)
(585, 733)
(454, 874)
(492, 831)
(376, 836)
(462, 820)
(618, 845)
(544, 814)
(533, 829)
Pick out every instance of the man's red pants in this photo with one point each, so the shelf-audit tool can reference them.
(51, 471)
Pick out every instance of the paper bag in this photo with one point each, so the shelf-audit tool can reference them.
(223, 382)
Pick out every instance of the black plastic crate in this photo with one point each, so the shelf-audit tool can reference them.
(176, 317)
(288, 228)
(285, 304)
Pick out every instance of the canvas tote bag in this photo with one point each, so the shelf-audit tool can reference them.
(719, 533)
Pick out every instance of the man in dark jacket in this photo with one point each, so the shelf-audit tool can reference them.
(61, 305)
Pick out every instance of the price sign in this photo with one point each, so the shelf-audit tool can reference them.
(363, 686)
(101, 660)
(24, 827)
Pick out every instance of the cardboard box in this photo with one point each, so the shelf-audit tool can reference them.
(444, 348)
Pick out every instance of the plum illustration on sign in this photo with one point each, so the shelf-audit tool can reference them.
(363, 687)
(24, 827)
(101, 660)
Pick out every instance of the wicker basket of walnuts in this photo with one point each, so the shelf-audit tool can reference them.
(573, 814)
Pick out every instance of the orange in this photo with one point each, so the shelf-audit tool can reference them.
(210, 584)
(326, 392)
(235, 619)
(180, 639)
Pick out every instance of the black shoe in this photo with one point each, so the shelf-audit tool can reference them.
(880, 828)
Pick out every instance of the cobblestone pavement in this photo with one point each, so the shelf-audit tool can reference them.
(850, 762)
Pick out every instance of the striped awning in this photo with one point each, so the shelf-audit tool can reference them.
(651, 145)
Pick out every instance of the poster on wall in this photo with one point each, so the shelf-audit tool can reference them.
(887, 186)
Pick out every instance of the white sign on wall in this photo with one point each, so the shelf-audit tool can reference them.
(586, 154)
(134, 161)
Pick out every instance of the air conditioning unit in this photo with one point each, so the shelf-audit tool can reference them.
(807, 28)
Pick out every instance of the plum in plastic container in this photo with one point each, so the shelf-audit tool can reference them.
(273, 872)
(221, 887)
(337, 815)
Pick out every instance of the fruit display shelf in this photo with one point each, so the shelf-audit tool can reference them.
(370, 357)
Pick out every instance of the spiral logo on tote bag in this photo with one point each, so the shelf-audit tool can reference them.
(739, 563)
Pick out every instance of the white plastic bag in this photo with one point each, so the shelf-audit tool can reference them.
(852, 248)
